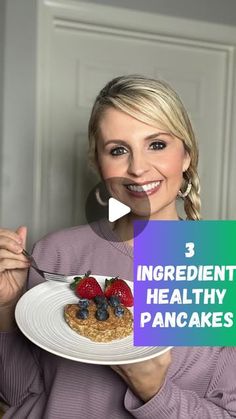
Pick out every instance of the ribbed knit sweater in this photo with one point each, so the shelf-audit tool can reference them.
(200, 382)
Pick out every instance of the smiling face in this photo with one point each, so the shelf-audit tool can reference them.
(148, 162)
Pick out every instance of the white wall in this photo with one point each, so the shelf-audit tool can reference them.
(2, 27)
(218, 11)
(19, 98)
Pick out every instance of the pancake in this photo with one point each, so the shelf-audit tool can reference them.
(99, 330)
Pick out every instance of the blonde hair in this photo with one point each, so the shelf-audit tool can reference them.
(153, 102)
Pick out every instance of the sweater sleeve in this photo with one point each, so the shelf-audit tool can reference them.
(20, 374)
(172, 402)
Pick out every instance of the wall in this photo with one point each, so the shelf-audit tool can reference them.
(19, 97)
(2, 28)
(207, 10)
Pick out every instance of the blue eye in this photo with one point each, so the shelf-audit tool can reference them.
(118, 151)
(157, 145)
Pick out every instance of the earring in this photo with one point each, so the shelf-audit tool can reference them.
(185, 193)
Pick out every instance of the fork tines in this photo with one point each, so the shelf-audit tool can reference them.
(55, 277)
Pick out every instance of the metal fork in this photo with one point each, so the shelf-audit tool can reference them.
(49, 276)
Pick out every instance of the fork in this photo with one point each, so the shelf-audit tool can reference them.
(49, 276)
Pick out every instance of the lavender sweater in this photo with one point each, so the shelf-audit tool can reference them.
(200, 383)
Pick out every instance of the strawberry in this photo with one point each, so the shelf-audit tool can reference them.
(119, 288)
(87, 287)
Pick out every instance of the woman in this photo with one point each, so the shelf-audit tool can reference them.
(139, 134)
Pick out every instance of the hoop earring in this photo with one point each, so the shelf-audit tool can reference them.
(186, 192)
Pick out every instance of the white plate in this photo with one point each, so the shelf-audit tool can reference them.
(39, 315)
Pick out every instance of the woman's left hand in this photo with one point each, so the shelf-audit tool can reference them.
(145, 378)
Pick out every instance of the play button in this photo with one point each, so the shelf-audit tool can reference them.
(116, 209)
(110, 202)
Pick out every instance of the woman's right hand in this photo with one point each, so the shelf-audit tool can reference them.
(13, 265)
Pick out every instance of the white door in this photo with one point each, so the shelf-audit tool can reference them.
(79, 55)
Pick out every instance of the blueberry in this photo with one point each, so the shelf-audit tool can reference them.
(114, 301)
(82, 313)
(119, 311)
(83, 303)
(99, 299)
(101, 314)
(103, 305)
